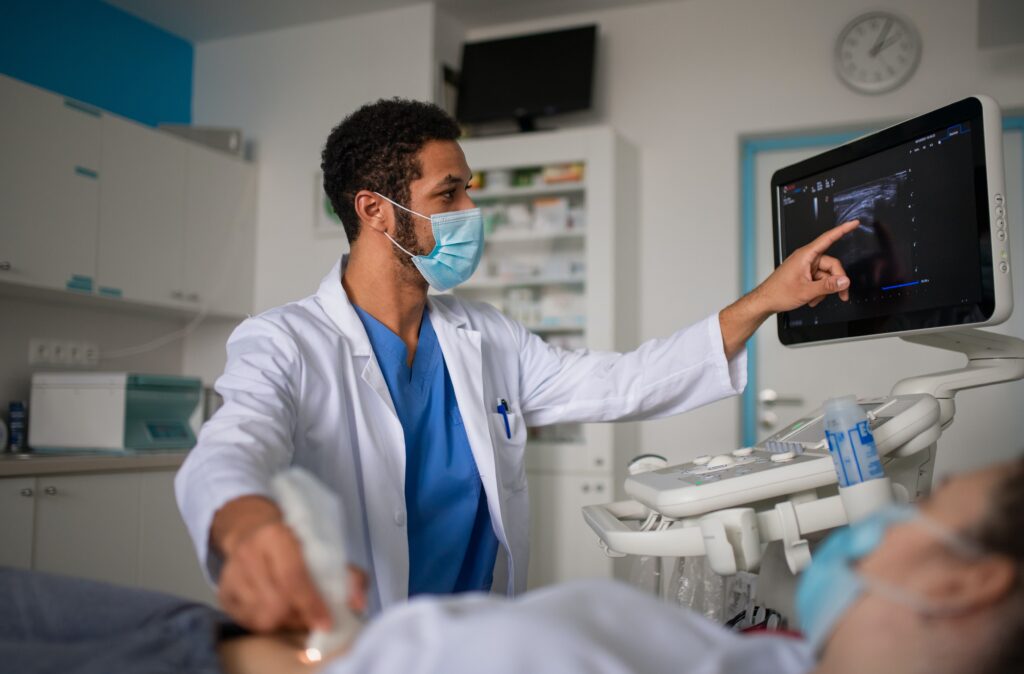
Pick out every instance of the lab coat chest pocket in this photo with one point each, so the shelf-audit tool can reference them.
(509, 449)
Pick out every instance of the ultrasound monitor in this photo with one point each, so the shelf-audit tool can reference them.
(931, 251)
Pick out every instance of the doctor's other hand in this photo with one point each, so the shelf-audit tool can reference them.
(264, 583)
(808, 275)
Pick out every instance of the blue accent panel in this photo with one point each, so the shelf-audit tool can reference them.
(109, 292)
(99, 54)
(749, 149)
(88, 173)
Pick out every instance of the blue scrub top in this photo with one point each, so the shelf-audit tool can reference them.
(452, 546)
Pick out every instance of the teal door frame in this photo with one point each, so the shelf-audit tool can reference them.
(750, 148)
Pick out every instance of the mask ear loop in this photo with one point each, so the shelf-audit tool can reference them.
(398, 205)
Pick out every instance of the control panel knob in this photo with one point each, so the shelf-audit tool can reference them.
(743, 451)
(721, 461)
(782, 457)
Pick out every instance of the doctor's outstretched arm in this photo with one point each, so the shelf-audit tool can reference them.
(697, 365)
(806, 277)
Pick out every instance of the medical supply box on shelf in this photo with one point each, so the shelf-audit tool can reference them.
(112, 411)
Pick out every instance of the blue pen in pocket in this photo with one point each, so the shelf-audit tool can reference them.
(503, 411)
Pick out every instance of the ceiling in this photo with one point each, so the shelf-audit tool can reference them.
(200, 20)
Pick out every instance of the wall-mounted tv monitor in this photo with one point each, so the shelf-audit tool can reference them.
(932, 248)
(526, 77)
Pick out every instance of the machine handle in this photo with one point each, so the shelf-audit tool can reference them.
(50, 491)
(607, 522)
(27, 493)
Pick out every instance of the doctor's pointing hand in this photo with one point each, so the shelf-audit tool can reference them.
(414, 408)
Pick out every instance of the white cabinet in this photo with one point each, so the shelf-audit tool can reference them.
(94, 203)
(562, 547)
(220, 231)
(560, 257)
(142, 213)
(167, 561)
(17, 508)
(88, 526)
(120, 527)
(49, 188)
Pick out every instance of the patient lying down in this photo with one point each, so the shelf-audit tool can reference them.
(943, 591)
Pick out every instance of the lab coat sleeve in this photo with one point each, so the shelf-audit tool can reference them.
(660, 378)
(249, 439)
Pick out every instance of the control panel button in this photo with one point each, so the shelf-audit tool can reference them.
(1000, 211)
(743, 451)
(721, 461)
(782, 457)
(1001, 234)
(1003, 267)
(999, 199)
(702, 459)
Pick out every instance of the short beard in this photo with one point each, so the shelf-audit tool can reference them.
(405, 235)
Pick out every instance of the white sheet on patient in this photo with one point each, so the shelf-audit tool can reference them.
(586, 627)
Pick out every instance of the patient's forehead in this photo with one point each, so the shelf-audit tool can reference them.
(963, 500)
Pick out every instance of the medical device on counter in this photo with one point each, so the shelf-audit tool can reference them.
(314, 514)
(111, 411)
(929, 259)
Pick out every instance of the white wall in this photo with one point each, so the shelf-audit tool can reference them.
(25, 319)
(286, 89)
(685, 80)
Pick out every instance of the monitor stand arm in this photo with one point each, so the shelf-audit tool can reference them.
(991, 359)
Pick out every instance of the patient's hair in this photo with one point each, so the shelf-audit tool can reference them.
(375, 148)
(1000, 532)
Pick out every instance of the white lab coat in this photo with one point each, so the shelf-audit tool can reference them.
(585, 627)
(302, 387)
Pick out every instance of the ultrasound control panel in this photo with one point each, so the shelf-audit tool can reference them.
(794, 459)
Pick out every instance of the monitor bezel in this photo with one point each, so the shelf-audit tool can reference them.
(986, 137)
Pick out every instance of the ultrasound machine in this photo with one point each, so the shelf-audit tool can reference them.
(930, 264)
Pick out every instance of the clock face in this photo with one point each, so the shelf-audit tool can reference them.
(877, 52)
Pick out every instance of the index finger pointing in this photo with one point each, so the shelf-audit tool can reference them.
(825, 241)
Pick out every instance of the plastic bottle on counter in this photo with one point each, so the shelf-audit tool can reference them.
(16, 418)
(850, 442)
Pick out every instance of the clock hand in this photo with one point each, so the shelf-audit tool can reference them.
(890, 42)
(881, 38)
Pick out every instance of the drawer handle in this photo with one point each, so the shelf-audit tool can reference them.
(27, 493)
(50, 491)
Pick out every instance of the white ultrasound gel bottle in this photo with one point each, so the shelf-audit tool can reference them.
(863, 486)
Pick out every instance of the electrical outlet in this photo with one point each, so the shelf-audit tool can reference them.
(62, 352)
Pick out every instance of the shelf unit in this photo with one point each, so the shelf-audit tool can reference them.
(589, 267)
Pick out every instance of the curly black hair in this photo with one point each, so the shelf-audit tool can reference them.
(375, 148)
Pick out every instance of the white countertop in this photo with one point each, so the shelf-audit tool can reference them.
(48, 463)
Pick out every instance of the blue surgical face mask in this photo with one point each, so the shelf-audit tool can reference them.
(830, 586)
(458, 245)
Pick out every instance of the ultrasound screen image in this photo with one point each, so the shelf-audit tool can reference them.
(915, 250)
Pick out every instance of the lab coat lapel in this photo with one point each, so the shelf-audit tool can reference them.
(463, 357)
(381, 446)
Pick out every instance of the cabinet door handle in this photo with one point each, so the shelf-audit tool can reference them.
(192, 297)
(27, 493)
(178, 295)
(5, 265)
(50, 491)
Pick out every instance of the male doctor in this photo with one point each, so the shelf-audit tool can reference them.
(414, 407)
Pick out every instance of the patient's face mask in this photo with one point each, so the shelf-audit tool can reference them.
(458, 245)
(831, 585)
